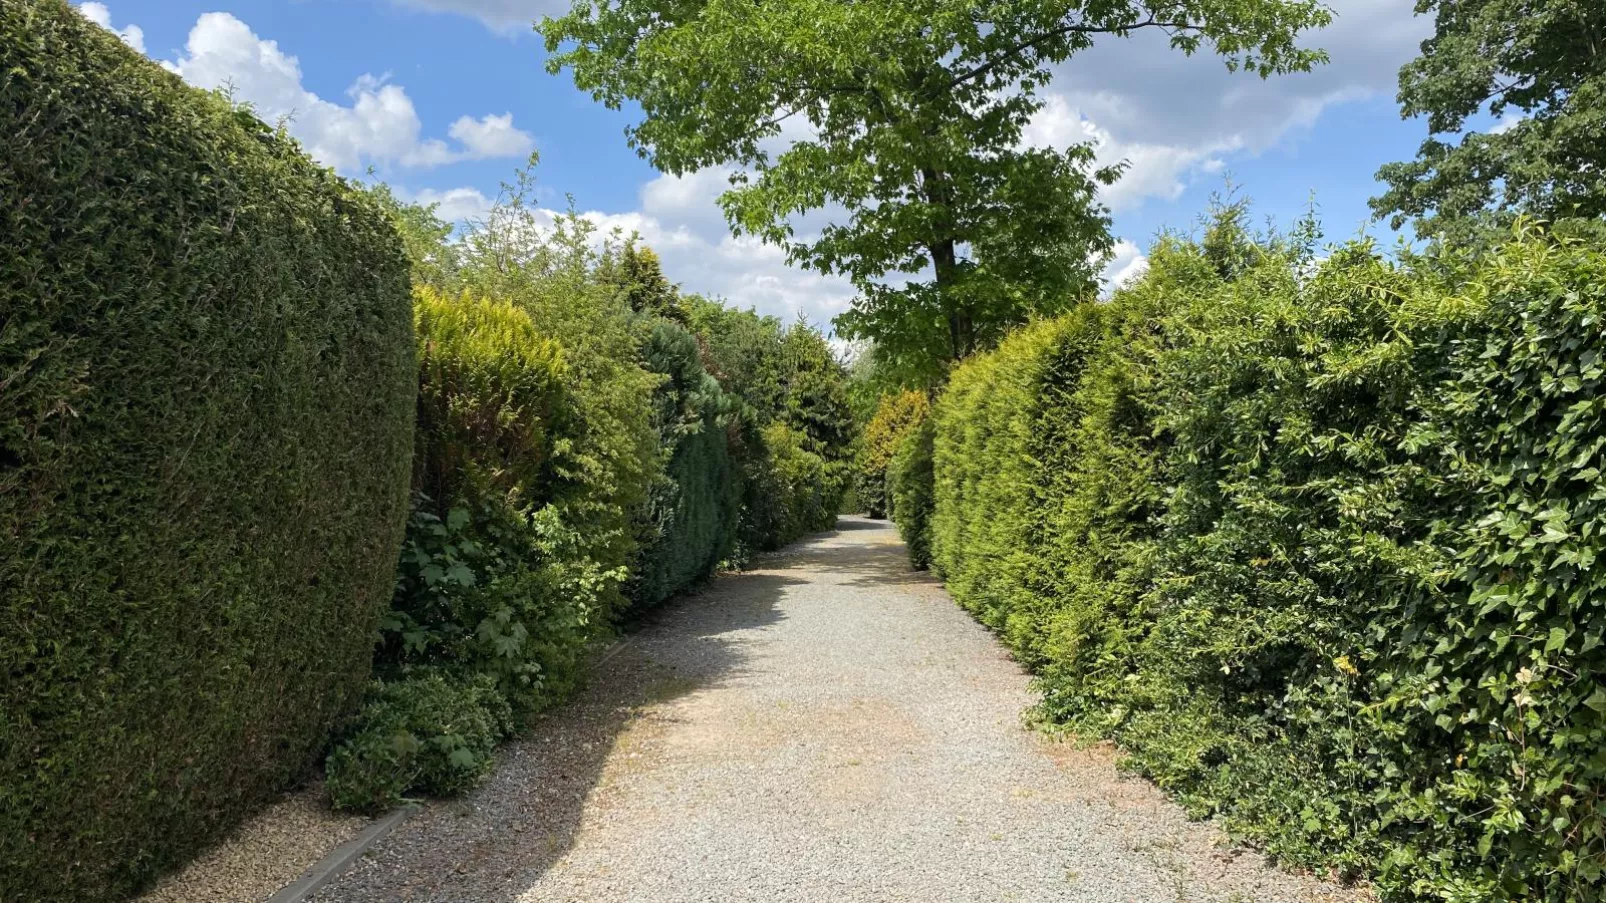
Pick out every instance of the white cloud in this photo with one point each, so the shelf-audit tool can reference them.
(455, 204)
(501, 15)
(132, 35)
(1173, 117)
(491, 136)
(1507, 122)
(1153, 170)
(1127, 263)
(380, 126)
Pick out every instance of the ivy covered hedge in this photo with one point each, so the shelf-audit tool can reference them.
(1318, 544)
(206, 409)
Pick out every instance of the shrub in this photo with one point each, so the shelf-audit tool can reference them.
(492, 403)
(911, 493)
(492, 579)
(691, 521)
(425, 733)
(204, 437)
(1315, 545)
(800, 481)
(896, 414)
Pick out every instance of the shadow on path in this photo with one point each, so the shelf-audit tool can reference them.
(501, 838)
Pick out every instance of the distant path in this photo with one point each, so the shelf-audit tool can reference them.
(830, 728)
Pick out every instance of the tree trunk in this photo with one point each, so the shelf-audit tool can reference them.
(945, 264)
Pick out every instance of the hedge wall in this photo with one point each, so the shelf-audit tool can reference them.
(691, 521)
(206, 390)
(895, 415)
(1318, 546)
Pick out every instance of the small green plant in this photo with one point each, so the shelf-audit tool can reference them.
(427, 732)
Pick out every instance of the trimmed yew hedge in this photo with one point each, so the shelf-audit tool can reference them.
(1319, 545)
(206, 414)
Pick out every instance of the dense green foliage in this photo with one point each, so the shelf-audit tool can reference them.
(910, 489)
(428, 733)
(895, 416)
(693, 515)
(1316, 545)
(206, 390)
(794, 428)
(914, 114)
(1538, 68)
(590, 442)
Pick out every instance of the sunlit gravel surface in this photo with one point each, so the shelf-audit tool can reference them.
(828, 728)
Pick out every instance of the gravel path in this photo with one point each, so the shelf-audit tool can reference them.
(827, 729)
(267, 852)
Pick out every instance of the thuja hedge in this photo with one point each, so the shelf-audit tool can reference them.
(206, 391)
(895, 415)
(1318, 545)
(691, 522)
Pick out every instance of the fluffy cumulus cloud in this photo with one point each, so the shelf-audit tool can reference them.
(132, 35)
(378, 124)
(1173, 117)
(455, 205)
(1126, 263)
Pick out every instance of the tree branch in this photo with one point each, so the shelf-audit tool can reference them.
(983, 68)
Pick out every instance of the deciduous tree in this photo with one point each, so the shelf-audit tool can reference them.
(1539, 66)
(909, 115)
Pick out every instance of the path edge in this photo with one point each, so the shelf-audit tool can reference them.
(340, 858)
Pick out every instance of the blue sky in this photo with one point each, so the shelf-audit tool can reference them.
(444, 98)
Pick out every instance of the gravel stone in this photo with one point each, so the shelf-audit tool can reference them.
(269, 851)
(828, 728)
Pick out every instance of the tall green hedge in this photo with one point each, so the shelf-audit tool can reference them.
(691, 520)
(896, 414)
(1318, 545)
(206, 406)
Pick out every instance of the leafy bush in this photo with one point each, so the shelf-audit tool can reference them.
(1315, 544)
(425, 733)
(692, 519)
(793, 429)
(802, 480)
(911, 494)
(492, 403)
(204, 437)
(896, 414)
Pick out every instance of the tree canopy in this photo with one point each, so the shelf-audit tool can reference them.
(1539, 66)
(908, 116)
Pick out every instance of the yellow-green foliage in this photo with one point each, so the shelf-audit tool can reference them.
(910, 490)
(1317, 545)
(206, 404)
(490, 387)
(896, 414)
(800, 481)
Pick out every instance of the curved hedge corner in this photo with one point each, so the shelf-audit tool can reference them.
(206, 401)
